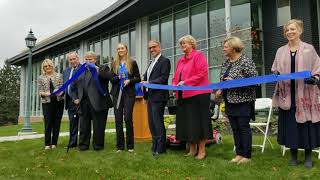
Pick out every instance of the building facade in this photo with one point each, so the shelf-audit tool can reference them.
(257, 22)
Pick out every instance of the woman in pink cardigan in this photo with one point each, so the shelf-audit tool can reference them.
(298, 100)
(193, 123)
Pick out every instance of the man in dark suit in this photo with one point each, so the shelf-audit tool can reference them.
(73, 59)
(93, 105)
(157, 73)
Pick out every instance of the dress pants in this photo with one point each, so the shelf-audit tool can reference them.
(156, 126)
(99, 119)
(52, 113)
(124, 112)
(73, 123)
(242, 135)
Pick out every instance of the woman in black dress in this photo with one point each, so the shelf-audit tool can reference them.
(298, 100)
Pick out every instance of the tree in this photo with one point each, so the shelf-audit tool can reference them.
(9, 94)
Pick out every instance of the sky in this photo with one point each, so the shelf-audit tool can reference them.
(45, 17)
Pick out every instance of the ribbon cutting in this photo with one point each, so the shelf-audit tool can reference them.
(214, 86)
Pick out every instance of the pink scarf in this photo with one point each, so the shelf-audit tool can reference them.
(307, 96)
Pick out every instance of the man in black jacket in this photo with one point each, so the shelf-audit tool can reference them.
(157, 73)
(73, 59)
(93, 104)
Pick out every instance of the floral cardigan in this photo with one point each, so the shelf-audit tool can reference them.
(244, 67)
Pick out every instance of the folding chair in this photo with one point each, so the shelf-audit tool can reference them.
(314, 150)
(260, 104)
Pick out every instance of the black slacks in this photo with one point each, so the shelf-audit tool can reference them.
(156, 126)
(52, 113)
(124, 112)
(99, 118)
(73, 123)
(242, 135)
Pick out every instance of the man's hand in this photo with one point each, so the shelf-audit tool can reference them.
(60, 94)
(76, 102)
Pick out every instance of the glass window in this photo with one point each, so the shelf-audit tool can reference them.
(166, 36)
(198, 21)
(283, 12)
(124, 38)
(181, 22)
(217, 32)
(97, 50)
(133, 43)
(105, 51)
(59, 66)
(217, 21)
(154, 30)
(240, 15)
(114, 43)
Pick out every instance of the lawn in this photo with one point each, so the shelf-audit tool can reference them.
(27, 160)
(39, 128)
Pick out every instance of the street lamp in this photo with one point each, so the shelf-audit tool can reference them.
(30, 43)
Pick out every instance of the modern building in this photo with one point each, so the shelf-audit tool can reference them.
(257, 22)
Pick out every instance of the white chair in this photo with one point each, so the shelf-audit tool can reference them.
(260, 104)
(314, 150)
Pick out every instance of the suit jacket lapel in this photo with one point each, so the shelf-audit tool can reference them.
(155, 65)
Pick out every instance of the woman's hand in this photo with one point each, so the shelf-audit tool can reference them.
(181, 83)
(45, 94)
(227, 78)
(126, 82)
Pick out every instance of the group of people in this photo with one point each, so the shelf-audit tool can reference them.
(298, 100)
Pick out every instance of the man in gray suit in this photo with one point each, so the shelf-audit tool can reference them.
(93, 105)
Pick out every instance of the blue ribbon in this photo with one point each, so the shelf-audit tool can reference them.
(222, 85)
(235, 83)
(123, 75)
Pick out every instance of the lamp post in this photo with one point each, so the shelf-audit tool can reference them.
(30, 43)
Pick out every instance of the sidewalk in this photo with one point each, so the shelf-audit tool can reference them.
(35, 136)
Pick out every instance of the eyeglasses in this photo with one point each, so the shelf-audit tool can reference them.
(152, 47)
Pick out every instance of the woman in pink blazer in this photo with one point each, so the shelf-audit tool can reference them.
(193, 123)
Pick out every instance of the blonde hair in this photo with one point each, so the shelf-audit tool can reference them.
(188, 39)
(92, 54)
(298, 23)
(72, 54)
(116, 62)
(235, 43)
(48, 62)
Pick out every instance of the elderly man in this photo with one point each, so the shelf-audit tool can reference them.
(157, 73)
(73, 59)
(93, 104)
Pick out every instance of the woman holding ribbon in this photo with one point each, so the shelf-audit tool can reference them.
(126, 74)
(193, 123)
(298, 100)
(52, 106)
(239, 102)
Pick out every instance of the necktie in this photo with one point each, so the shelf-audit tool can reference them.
(71, 73)
(150, 69)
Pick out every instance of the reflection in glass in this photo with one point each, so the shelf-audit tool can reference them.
(133, 43)
(181, 23)
(154, 30)
(97, 50)
(114, 43)
(105, 51)
(283, 12)
(124, 38)
(198, 21)
(166, 32)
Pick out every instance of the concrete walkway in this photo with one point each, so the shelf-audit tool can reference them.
(35, 136)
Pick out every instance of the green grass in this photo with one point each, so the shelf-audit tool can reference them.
(27, 160)
(39, 128)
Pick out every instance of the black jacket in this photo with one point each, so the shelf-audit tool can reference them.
(130, 88)
(159, 75)
(97, 100)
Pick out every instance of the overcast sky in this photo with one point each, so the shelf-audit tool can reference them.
(45, 17)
